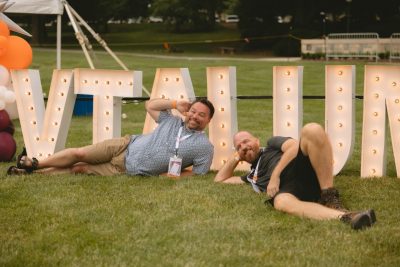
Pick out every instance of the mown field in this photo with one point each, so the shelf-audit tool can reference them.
(79, 220)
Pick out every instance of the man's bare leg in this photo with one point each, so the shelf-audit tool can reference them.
(315, 144)
(79, 167)
(53, 170)
(63, 159)
(290, 204)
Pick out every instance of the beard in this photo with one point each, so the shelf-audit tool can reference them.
(192, 124)
(250, 155)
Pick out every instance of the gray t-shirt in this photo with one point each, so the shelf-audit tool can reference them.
(149, 154)
(269, 158)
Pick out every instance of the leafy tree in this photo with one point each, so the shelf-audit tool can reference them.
(270, 23)
(258, 17)
(132, 9)
(98, 12)
(95, 10)
(187, 15)
(382, 17)
(229, 6)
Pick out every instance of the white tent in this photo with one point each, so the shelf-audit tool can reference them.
(56, 7)
(36, 7)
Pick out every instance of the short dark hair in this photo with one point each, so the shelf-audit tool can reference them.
(207, 103)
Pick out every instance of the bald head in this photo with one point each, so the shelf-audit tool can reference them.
(246, 145)
(240, 136)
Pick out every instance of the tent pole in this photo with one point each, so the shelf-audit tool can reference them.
(97, 37)
(78, 34)
(58, 41)
(73, 15)
(100, 41)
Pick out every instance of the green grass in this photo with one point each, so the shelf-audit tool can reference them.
(150, 38)
(78, 220)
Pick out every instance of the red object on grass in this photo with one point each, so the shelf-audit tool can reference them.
(7, 147)
(4, 120)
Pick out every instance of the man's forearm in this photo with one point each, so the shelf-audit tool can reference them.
(288, 155)
(160, 104)
(155, 106)
(227, 169)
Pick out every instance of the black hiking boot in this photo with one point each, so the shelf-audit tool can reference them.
(359, 219)
(330, 198)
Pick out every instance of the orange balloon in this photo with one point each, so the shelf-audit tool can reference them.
(18, 54)
(4, 29)
(3, 45)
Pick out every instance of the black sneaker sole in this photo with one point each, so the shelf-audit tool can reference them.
(372, 216)
(361, 221)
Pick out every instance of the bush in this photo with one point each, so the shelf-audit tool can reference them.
(287, 47)
(313, 56)
(385, 55)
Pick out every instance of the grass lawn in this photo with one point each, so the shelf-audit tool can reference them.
(78, 220)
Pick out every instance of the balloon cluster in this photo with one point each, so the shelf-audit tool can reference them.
(15, 53)
(7, 142)
(6, 96)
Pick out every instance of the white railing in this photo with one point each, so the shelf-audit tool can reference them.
(394, 46)
(352, 45)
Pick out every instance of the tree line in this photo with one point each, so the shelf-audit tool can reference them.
(259, 19)
(309, 18)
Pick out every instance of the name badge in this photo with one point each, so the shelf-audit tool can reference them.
(175, 165)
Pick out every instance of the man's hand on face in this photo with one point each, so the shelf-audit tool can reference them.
(237, 157)
(183, 106)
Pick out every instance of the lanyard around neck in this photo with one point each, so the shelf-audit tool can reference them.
(179, 139)
(255, 176)
(253, 181)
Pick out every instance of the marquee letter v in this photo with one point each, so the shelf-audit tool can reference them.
(44, 130)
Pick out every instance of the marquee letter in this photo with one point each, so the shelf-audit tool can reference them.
(287, 100)
(340, 112)
(44, 132)
(381, 86)
(221, 91)
(170, 83)
(108, 88)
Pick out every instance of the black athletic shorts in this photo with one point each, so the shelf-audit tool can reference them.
(300, 179)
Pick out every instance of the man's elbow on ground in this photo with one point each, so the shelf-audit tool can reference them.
(230, 180)
(226, 180)
(146, 105)
(218, 179)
